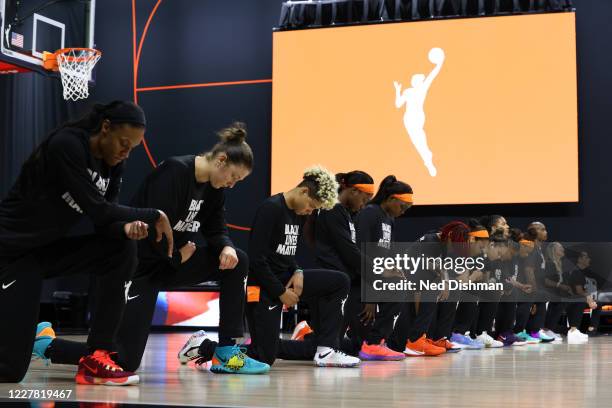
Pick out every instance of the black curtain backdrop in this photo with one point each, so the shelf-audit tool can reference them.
(204, 42)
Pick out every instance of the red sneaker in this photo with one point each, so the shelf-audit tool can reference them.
(100, 369)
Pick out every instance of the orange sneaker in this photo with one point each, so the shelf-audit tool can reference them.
(302, 329)
(445, 344)
(379, 352)
(100, 369)
(423, 347)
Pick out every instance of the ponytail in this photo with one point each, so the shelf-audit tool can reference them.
(389, 186)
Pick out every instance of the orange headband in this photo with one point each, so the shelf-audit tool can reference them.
(479, 234)
(528, 243)
(407, 198)
(366, 188)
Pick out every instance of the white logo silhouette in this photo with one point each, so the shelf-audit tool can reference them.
(127, 292)
(395, 317)
(414, 98)
(342, 304)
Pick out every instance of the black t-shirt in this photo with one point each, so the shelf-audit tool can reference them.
(42, 208)
(273, 244)
(191, 207)
(336, 241)
(374, 225)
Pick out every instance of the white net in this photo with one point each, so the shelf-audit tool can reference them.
(75, 66)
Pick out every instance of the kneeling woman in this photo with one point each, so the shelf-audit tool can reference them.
(190, 190)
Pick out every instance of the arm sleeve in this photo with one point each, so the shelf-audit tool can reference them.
(214, 228)
(259, 249)
(68, 158)
(366, 225)
(116, 229)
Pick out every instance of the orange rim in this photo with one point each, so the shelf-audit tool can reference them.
(94, 54)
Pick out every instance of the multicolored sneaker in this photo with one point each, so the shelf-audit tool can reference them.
(488, 341)
(335, 358)
(302, 329)
(556, 336)
(510, 339)
(466, 342)
(44, 336)
(527, 338)
(233, 360)
(379, 352)
(542, 336)
(100, 369)
(190, 350)
(423, 347)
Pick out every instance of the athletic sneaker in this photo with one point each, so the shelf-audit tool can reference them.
(466, 342)
(576, 337)
(100, 369)
(557, 337)
(542, 336)
(423, 347)
(329, 357)
(379, 352)
(44, 336)
(488, 341)
(510, 339)
(527, 338)
(302, 329)
(446, 345)
(190, 350)
(233, 360)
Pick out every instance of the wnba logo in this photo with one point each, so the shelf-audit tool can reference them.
(414, 99)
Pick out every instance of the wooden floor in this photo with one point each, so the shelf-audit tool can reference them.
(529, 376)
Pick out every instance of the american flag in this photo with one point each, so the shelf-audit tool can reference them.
(17, 39)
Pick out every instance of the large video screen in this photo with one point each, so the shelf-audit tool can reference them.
(198, 309)
(467, 111)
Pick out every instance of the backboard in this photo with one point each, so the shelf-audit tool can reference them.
(30, 27)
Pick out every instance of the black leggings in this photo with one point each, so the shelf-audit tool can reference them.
(111, 261)
(324, 291)
(572, 309)
(414, 321)
(149, 280)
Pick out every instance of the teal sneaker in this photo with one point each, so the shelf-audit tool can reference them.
(44, 336)
(233, 360)
(527, 338)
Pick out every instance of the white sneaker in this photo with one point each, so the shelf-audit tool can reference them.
(557, 337)
(576, 337)
(190, 349)
(328, 357)
(489, 341)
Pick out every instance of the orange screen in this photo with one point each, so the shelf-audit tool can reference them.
(467, 111)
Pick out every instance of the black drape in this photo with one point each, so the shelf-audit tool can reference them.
(31, 105)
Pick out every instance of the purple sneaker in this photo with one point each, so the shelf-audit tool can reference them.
(509, 339)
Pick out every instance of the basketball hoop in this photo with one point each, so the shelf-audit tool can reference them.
(75, 66)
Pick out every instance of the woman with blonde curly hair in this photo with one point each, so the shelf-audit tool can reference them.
(275, 279)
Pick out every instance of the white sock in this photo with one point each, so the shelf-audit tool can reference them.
(323, 350)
